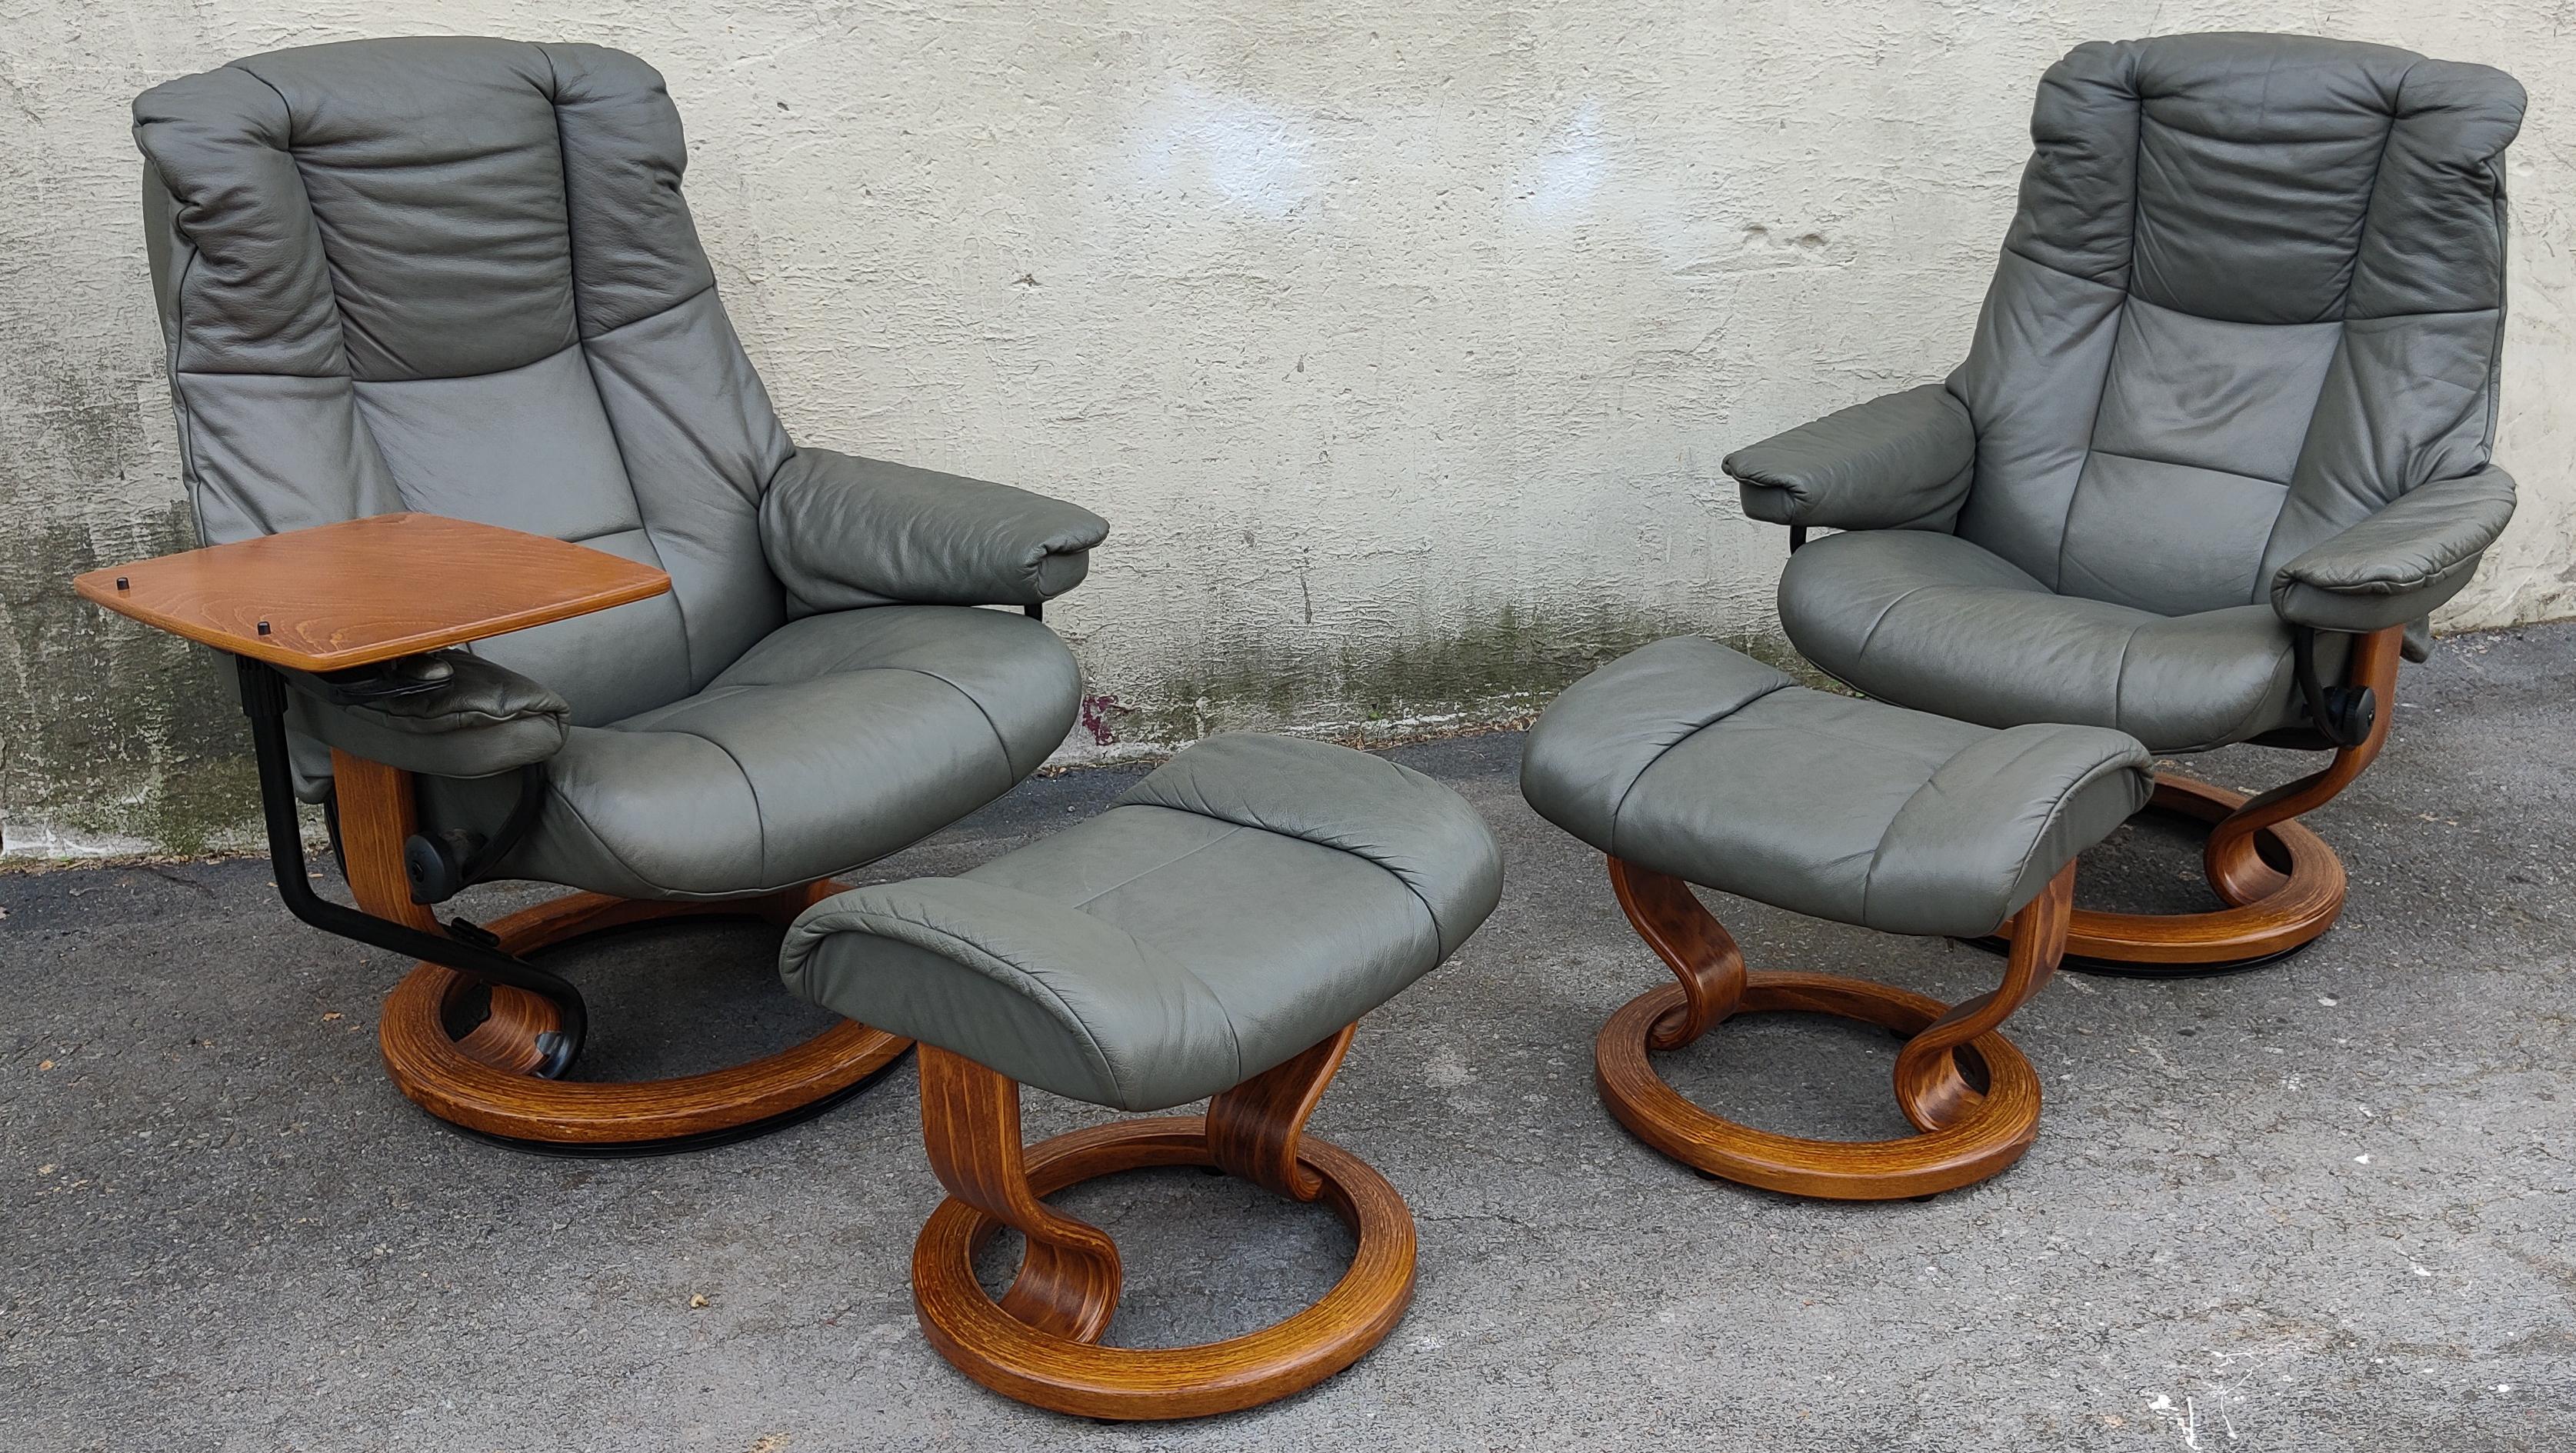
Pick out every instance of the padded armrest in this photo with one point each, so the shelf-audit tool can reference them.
(842, 531)
(442, 714)
(1898, 462)
(2402, 561)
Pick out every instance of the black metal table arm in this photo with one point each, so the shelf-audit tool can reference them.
(264, 702)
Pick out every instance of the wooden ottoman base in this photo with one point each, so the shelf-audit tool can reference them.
(1971, 1095)
(1040, 1343)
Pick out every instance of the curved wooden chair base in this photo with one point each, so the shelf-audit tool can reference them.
(2282, 885)
(1040, 1343)
(485, 1082)
(1965, 1088)
(2299, 893)
(1990, 1136)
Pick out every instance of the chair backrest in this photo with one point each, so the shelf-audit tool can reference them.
(2254, 291)
(457, 276)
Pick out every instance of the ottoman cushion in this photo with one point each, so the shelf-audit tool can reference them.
(1243, 902)
(1690, 759)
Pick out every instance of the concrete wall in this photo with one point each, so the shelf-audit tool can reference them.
(1399, 341)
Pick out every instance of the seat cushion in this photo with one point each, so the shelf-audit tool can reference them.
(833, 741)
(1933, 622)
(1689, 759)
(1242, 903)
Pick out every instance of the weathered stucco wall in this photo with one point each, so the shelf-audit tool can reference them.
(1399, 341)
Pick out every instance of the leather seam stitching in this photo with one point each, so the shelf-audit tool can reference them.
(189, 474)
(1619, 808)
(2181, 464)
(616, 438)
(691, 296)
(338, 311)
(2068, 272)
(2379, 169)
(2240, 729)
(1231, 830)
(554, 789)
(759, 818)
(1437, 934)
(2120, 675)
(989, 725)
(1889, 609)
(1878, 850)
(2380, 584)
(584, 343)
(2093, 426)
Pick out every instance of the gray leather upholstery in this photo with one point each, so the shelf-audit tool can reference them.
(1901, 461)
(1938, 624)
(835, 740)
(2400, 561)
(844, 532)
(2251, 301)
(1689, 759)
(1243, 902)
(458, 276)
(479, 719)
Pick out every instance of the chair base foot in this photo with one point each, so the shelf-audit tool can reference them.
(2127, 969)
(1084, 1378)
(2303, 879)
(1988, 1136)
(486, 1083)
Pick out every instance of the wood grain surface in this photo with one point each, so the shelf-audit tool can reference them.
(367, 590)
(1969, 1092)
(1041, 1343)
(2282, 884)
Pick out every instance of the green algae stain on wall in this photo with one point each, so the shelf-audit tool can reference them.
(111, 733)
(1496, 667)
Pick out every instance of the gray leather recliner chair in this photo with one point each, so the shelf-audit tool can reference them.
(457, 276)
(2222, 437)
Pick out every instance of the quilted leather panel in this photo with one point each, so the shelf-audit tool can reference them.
(2240, 262)
(1940, 625)
(1245, 901)
(2217, 395)
(1687, 758)
(837, 740)
(457, 275)
(530, 445)
(2120, 499)
(438, 198)
(2255, 166)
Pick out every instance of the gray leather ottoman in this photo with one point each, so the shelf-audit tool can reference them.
(1689, 763)
(1216, 932)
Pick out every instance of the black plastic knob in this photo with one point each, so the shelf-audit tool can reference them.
(436, 868)
(2351, 711)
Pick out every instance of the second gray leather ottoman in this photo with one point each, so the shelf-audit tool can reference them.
(1689, 763)
(1217, 932)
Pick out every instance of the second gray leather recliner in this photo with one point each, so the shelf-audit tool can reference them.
(2228, 412)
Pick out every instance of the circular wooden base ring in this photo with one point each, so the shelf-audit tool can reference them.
(1084, 1378)
(2294, 914)
(1993, 1132)
(483, 1082)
